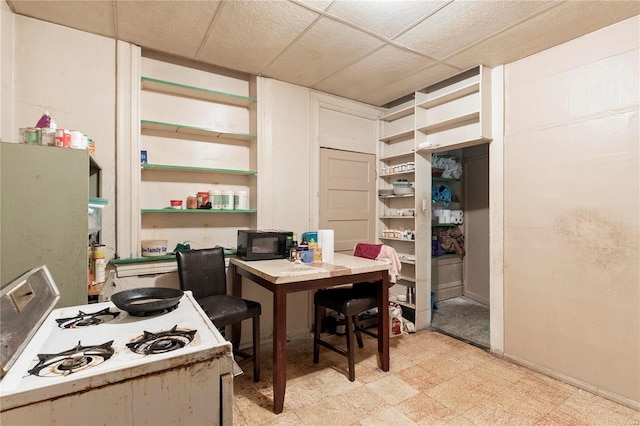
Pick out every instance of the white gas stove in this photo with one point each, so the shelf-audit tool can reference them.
(85, 362)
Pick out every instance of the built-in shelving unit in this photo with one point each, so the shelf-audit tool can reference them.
(452, 114)
(199, 130)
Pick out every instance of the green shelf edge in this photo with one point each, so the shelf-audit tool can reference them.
(133, 260)
(230, 135)
(441, 179)
(197, 169)
(192, 211)
(248, 99)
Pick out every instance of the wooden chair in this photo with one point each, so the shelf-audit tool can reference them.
(203, 272)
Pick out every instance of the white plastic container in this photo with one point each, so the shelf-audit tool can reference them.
(215, 196)
(227, 200)
(241, 200)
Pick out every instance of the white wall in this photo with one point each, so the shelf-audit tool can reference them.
(571, 212)
(71, 74)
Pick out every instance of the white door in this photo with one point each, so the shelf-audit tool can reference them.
(347, 197)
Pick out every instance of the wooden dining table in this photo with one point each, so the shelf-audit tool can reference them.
(280, 276)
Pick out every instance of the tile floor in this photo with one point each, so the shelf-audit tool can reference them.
(463, 319)
(433, 380)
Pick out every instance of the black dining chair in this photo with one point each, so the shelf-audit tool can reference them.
(350, 302)
(203, 272)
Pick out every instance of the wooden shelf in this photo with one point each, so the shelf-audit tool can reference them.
(167, 167)
(386, 175)
(399, 136)
(400, 113)
(448, 97)
(397, 239)
(441, 179)
(397, 217)
(182, 130)
(388, 158)
(177, 89)
(397, 196)
(450, 123)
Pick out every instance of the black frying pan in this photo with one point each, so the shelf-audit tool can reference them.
(139, 301)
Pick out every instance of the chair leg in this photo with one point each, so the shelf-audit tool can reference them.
(356, 321)
(256, 348)
(316, 333)
(350, 349)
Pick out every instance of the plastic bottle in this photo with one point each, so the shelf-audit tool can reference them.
(304, 245)
(293, 251)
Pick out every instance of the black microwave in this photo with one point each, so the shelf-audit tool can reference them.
(263, 245)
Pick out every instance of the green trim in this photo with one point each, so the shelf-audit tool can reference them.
(178, 89)
(177, 128)
(197, 169)
(191, 211)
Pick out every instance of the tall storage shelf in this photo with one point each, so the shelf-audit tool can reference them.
(449, 115)
(198, 129)
(396, 212)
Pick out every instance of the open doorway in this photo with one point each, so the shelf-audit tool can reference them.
(464, 313)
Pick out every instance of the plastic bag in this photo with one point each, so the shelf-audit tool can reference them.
(441, 194)
(451, 165)
(395, 320)
(46, 121)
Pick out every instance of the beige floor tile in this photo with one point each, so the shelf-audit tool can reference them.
(424, 410)
(361, 402)
(434, 380)
(592, 409)
(333, 382)
(302, 392)
(255, 407)
(392, 389)
(455, 396)
(507, 408)
(446, 366)
(326, 412)
(543, 389)
(419, 377)
(459, 421)
(387, 417)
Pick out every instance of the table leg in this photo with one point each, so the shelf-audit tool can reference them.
(236, 290)
(279, 349)
(383, 323)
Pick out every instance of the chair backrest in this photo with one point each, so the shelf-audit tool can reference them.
(202, 271)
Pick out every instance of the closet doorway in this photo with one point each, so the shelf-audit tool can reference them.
(465, 316)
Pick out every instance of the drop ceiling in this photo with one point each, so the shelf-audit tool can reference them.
(369, 51)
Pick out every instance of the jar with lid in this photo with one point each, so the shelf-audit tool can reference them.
(192, 202)
(202, 198)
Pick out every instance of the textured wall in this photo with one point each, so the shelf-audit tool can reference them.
(571, 213)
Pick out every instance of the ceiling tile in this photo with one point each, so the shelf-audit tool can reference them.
(383, 67)
(248, 35)
(460, 24)
(384, 94)
(172, 27)
(327, 47)
(387, 18)
(563, 23)
(318, 4)
(94, 16)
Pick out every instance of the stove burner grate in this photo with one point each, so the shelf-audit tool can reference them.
(72, 360)
(161, 342)
(85, 320)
